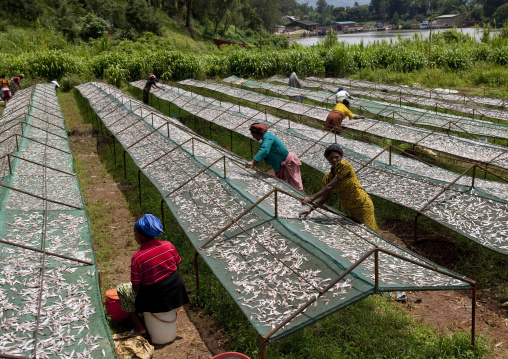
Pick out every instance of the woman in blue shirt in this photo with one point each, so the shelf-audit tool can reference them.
(286, 164)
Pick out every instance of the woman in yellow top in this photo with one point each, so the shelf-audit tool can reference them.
(342, 180)
(339, 112)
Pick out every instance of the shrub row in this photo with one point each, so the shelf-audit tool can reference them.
(339, 60)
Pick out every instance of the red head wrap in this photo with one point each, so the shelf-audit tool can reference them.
(258, 127)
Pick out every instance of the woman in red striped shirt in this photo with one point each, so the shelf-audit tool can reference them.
(156, 285)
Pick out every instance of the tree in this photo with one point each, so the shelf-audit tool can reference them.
(476, 13)
(395, 19)
(490, 6)
(364, 13)
(321, 6)
(93, 26)
(395, 6)
(68, 14)
(501, 14)
(140, 17)
(268, 11)
(189, 14)
(20, 9)
(102, 8)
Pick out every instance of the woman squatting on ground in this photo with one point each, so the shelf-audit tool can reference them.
(156, 284)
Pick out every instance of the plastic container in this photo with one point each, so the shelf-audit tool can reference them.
(113, 307)
(231, 355)
(161, 326)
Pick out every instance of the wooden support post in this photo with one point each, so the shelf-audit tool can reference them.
(139, 186)
(124, 165)
(196, 269)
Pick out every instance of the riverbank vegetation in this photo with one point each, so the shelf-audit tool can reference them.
(453, 60)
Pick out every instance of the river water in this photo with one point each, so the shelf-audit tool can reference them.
(372, 36)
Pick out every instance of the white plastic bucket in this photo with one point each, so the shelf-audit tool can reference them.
(161, 326)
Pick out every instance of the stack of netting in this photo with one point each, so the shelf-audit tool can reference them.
(418, 117)
(479, 213)
(375, 91)
(452, 97)
(284, 273)
(49, 292)
(470, 150)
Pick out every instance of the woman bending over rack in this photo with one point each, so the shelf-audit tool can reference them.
(286, 164)
(342, 180)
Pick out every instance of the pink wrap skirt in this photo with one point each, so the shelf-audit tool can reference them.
(289, 171)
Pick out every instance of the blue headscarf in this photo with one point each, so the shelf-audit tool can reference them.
(149, 226)
(341, 89)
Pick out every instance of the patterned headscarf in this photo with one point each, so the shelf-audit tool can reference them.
(149, 226)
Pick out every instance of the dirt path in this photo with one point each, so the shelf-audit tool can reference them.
(112, 223)
(450, 311)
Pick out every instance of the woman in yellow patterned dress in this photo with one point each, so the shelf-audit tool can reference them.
(342, 180)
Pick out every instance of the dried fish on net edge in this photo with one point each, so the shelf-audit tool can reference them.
(55, 293)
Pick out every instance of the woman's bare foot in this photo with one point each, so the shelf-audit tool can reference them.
(139, 327)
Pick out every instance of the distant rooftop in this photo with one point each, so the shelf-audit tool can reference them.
(306, 22)
(345, 22)
(447, 16)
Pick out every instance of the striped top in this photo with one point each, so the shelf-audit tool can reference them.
(154, 261)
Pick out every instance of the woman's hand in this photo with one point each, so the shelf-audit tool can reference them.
(307, 200)
(250, 164)
(304, 213)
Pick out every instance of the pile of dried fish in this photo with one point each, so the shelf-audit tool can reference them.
(50, 303)
(406, 181)
(428, 93)
(468, 149)
(432, 118)
(270, 265)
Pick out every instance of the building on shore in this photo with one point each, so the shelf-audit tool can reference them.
(447, 20)
(304, 25)
(344, 26)
(279, 29)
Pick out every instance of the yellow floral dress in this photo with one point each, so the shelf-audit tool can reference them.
(351, 194)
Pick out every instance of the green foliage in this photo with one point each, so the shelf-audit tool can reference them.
(338, 63)
(499, 55)
(331, 39)
(49, 65)
(451, 37)
(115, 75)
(140, 17)
(93, 26)
(67, 83)
(453, 58)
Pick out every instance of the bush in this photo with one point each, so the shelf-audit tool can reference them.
(115, 75)
(499, 55)
(50, 65)
(68, 82)
(93, 26)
